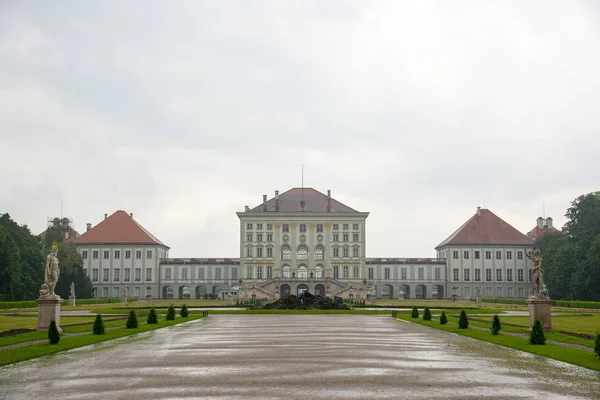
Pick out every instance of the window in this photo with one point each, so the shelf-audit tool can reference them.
(269, 272)
(218, 273)
(285, 228)
(319, 271)
(286, 271)
(488, 255)
(116, 274)
(259, 252)
(128, 254)
(138, 254)
(248, 237)
(345, 237)
(336, 237)
(234, 273)
(250, 274)
(259, 272)
(499, 275)
(488, 274)
(467, 292)
(509, 255)
(104, 292)
(509, 292)
(477, 275)
(95, 275)
(355, 237)
(346, 271)
(320, 228)
(386, 273)
(269, 227)
(355, 272)
(95, 254)
(355, 252)
(455, 274)
(336, 227)
(302, 253)
(184, 273)
(488, 291)
(421, 272)
(269, 252)
(355, 227)
(201, 273)
(498, 255)
(115, 292)
(127, 275)
(84, 254)
(509, 274)
(249, 252)
(466, 254)
(319, 253)
(286, 253)
(167, 273)
(499, 292)
(467, 275)
(455, 254)
(259, 237)
(438, 273)
(258, 226)
(520, 275)
(117, 254)
(148, 274)
(106, 254)
(149, 254)
(477, 254)
(519, 256)
(303, 228)
(269, 237)
(336, 271)
(336, 252)
(248, 227)
(403, 273)
(345, 252)
(105, 275)
(370, 273)
(521, 290)
(345, 227)
(138, 274)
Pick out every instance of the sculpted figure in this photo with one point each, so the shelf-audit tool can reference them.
(538, 288)
(72, 289)
(52, 273)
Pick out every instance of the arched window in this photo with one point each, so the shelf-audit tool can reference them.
(302, 272)
(319, 253)
(287, 271)
(302, 253)
(286, 252)
(319, 271)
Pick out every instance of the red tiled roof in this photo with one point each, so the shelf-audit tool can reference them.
(68, 234)
(538, 232)
(486, 229)
(315, 201)
(119, 228)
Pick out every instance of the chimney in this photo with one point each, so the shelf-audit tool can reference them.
(478, 211)
(264, 202)
(105, 216)
(328, 200)
(549, 223)
(131, 215)
(88, 226)
(540, 223)
(247, 208)
(302, 205)
(277, 200)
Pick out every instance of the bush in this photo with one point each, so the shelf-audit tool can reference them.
(184, 311)
(463, 321)
(536, 336)
(597, 347)
(415, 312)
(496, 325)
(426, 314)
(443, 319)
(152, 318)
(98, 325)
(53, 334)
(394, 313)
(171, 314)
(132, 321)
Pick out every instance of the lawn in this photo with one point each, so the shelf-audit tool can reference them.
(8, 322)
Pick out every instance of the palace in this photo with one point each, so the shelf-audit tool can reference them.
(305, 240)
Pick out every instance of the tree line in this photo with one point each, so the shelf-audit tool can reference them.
(571, 258)
(22, 263)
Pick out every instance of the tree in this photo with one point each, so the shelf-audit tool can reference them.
(71, 270)
(426, 314)
(184, 311)
(53, 334)
(171, 313)
(463, 321)
(443, 318)
(415, 312)
(132, 322)
(536, 336)
(152, 317)
(98, 325)
(496, 327)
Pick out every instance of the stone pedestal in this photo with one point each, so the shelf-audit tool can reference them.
(71, 301)
(123, 299)
(540, 309)
(230, 299)
(48, 311)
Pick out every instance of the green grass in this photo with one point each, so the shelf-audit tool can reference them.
(588, 325)
(582, 358)
(30, 321)
(13, 355)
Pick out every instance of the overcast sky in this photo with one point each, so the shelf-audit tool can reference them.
(184, 112)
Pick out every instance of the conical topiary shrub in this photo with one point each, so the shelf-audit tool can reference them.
(496, 325)
(98, 325)
(53, 334)
(597, 346)
(443, 319)
(463, 321)
(415, 312)
(426, 314)
(184, 311)
(132, 321)
(171, 314)
(152, 317)
(536, 336)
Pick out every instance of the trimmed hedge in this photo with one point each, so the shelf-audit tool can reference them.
(595, 305)
(65, 302)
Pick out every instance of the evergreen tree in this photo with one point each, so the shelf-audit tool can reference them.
(426, 314)
(415, 312)
(171, 314)
(53, 334)
(443, 319)
(536, 336)
(496, 325)
(184, 311)
(132, 322)
(152, 317)
(463, 321)
(98, 325)
(597, 346)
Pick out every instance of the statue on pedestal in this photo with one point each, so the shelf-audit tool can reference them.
(538, 288)
(72, 290)
(51, 274)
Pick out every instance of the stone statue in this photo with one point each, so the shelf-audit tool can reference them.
(374, 288)
(538, 288)
(51, 275)
(72, 289)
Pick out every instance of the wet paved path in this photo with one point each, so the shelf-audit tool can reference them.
(296, 356)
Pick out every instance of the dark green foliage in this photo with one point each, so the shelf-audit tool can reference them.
(394, 313)
(496, 325)
(426, 314)
(132, 321)
(71, 270)
(53, 334)
(597, 346)
(98, 325)
(463, 321)
(443, 319)
(415, 312)
(536, 336)
(152, 317)
(171, 314)
(184, 311)
(306, 301)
